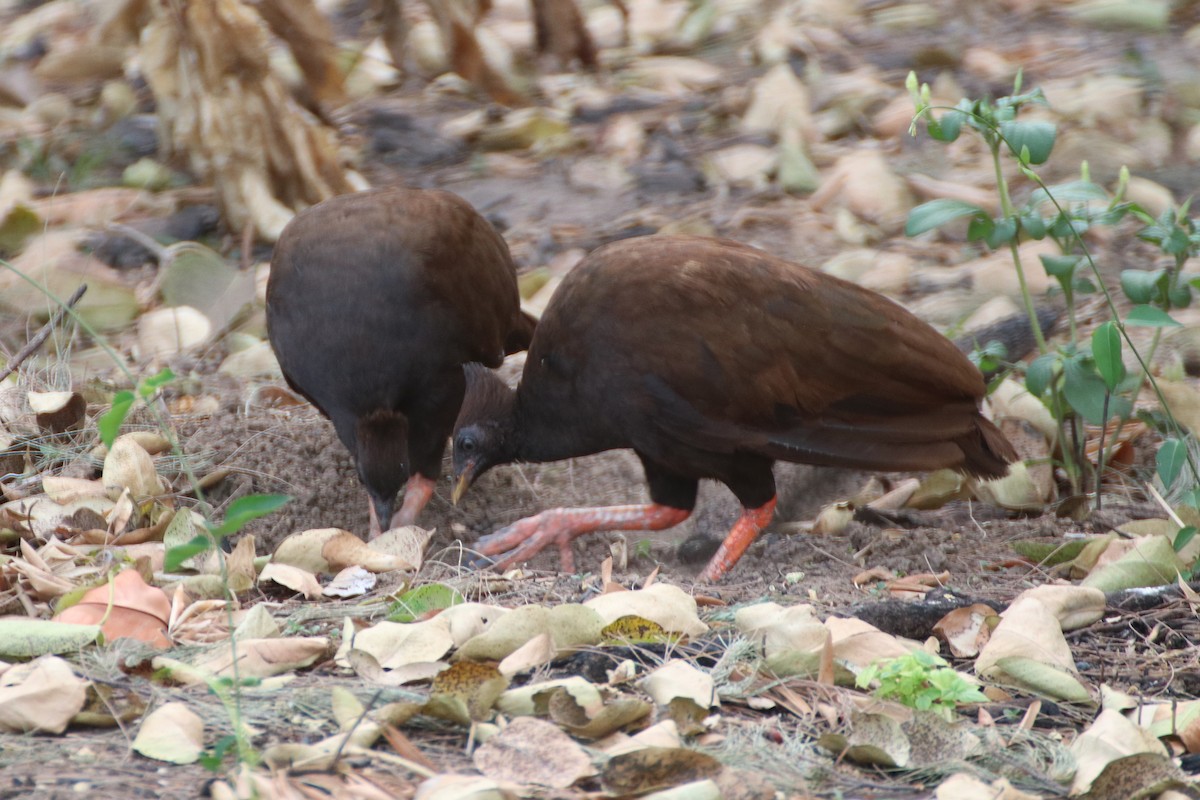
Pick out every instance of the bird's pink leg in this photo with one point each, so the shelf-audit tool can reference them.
(744, 530)
(417, 492)
(527, 537)
(374, 529)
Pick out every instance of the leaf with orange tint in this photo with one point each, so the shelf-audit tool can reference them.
(126, 607)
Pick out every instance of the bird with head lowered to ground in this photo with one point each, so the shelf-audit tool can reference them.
(711, 359)
(375, 302)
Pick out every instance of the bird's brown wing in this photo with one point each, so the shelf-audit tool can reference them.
(759, 355)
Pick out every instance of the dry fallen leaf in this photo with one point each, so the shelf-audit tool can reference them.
(669, 606)
(262, 658)
(1111, 736)
(125, 607)
(532, 752)
(41, 696)
(396, 644)
(569, 625)
(967, 629)
(350, 582)
(294, 578)
(172, 733)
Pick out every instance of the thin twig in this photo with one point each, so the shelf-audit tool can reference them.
(41, 336)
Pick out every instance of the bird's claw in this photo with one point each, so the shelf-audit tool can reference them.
(524, 539)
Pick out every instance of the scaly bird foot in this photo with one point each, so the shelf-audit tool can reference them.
(526, 538)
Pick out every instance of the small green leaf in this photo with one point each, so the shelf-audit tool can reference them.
(109, 423)
(1170, 458)
(1033, 224)
(1150, 317)
(1184, 536)
(947, 128)
(1003, 233)
(246, 509)
(1106, 350)
(1060, 267)
(1085, 390)
(155, 382)
(419, 602)
(980, 228)
(1143, 286)
(1040, 373)
(177, 555)
(1191, 498)
(937, 213)
(1180, 296)
(1036, 135)
(1072, 192)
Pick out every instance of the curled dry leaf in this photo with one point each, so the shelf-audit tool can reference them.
(534, 699)
(124, 607)
(350, 582)
(794, 641)
(167, 332)
(833, 519)
(65, 490)
(326, 551)
(58, 411)
(172, 733)
(1029, 629)
(294, 578)
(534, 752)
(680, 679)
(967, 629)
(129, 466)
(407, 543)
(367, 668)
(41, 696)
(594, 722)
(1074, 606)
(396, 644)
(1131, 564)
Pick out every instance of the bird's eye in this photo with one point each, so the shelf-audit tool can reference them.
(466, 444)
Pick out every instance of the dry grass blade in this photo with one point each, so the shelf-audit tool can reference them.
(40, 337)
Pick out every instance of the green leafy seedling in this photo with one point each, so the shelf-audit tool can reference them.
(921, 680)
(240, 512)
(110, 422)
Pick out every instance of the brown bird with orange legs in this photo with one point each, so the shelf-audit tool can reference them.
(713, 359)
(375, 302)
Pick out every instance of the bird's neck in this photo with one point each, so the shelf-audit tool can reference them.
(541, 432)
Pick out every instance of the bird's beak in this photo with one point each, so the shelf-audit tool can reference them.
(465, 479)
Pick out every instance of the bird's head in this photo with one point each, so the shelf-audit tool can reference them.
(484, 434)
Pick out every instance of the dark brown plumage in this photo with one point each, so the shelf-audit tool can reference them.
(713, 359)
(375, 302)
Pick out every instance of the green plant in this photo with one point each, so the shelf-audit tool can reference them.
(920, 680)
(1080, 381)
